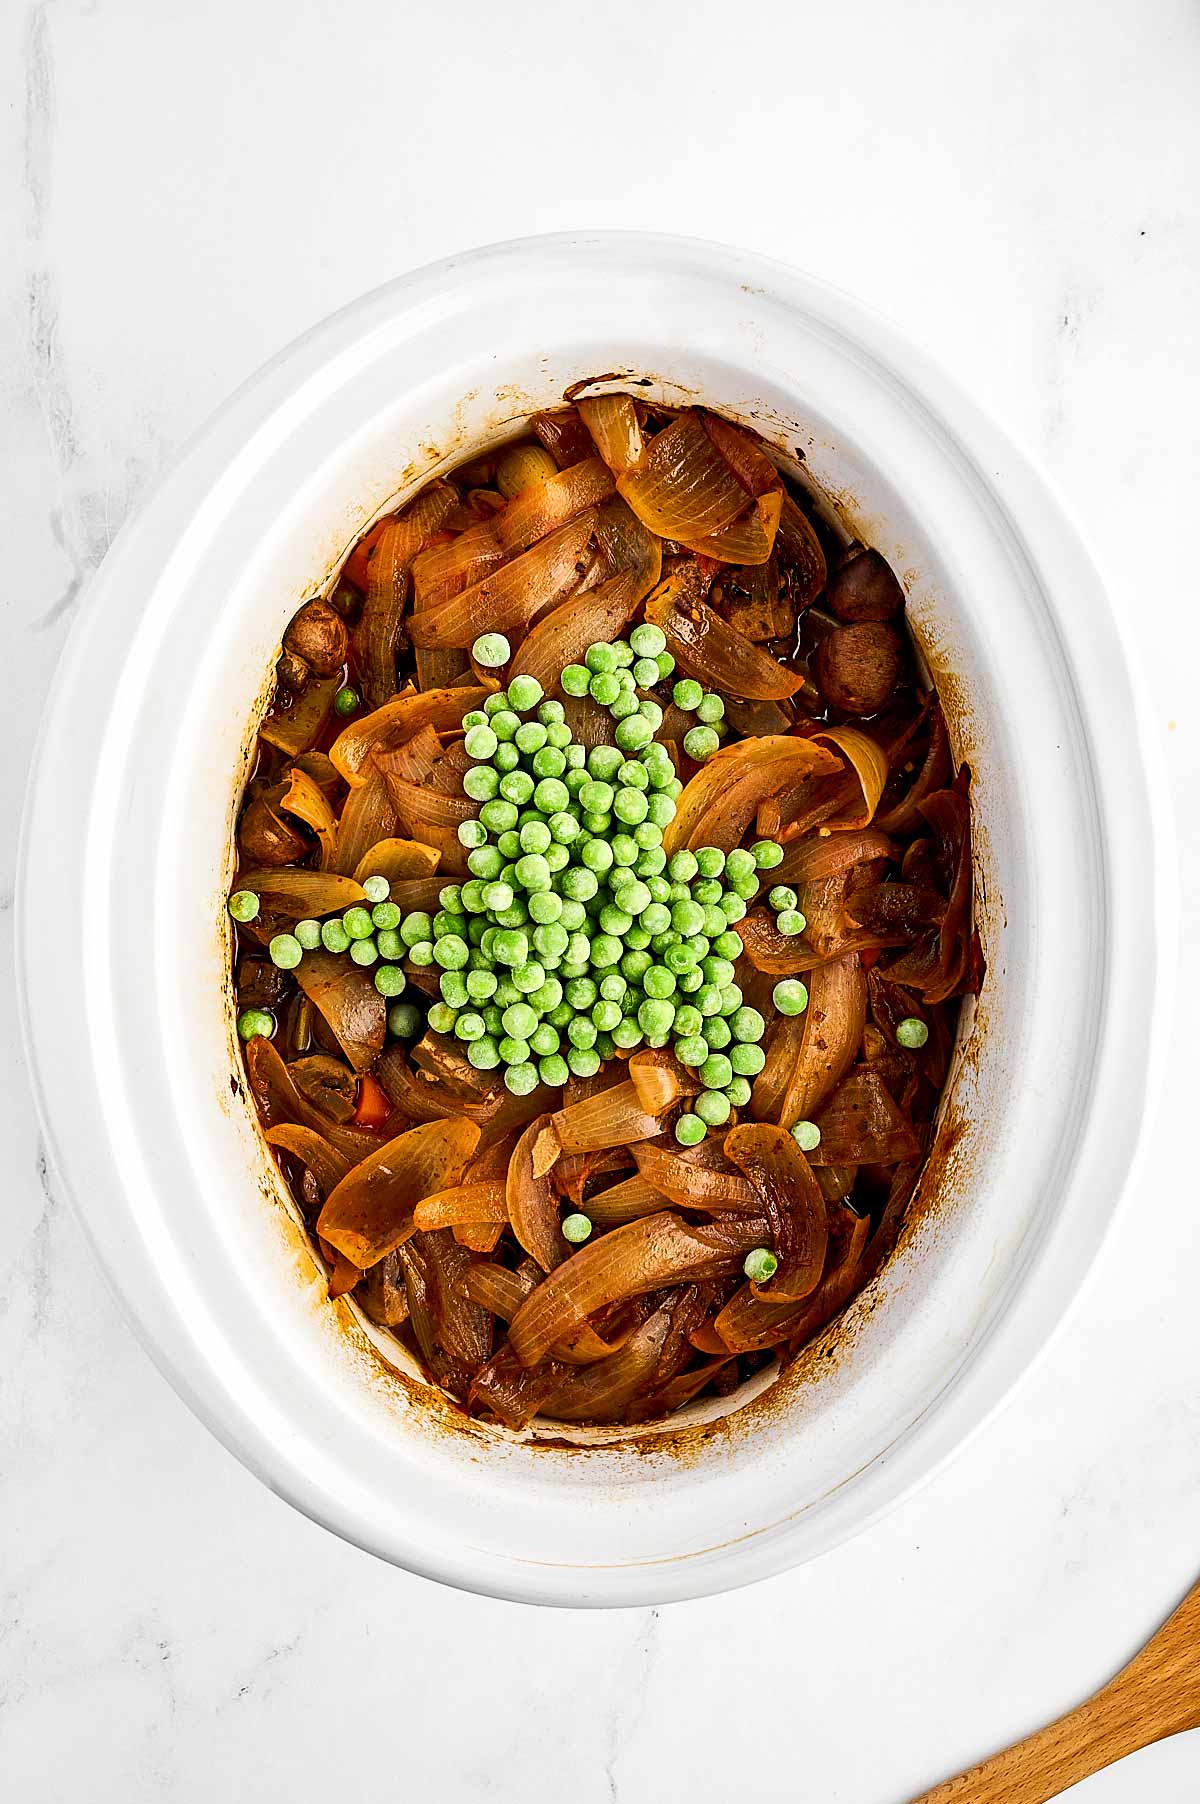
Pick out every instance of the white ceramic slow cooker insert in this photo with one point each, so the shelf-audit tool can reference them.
(134, 794)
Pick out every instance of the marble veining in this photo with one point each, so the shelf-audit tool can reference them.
(182, 192)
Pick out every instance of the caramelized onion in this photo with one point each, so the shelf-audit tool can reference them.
(565, 633)
(302, 895)
(309, 803)
(614, 1117)
(294, 728)
(755, 767)
(693, 1186)
(682, 488)
(707, 647)
(750, 539)
(371, 1211)
(830, 1037)
(545, 506)
(322, 1158)
(869, 763)
(613, 423)
(628, 1262)
(464, 1205)
(398, 720)
(532, 1205)
(791, 1200)
(512, 598)
(347, 998)
(602, 1392)
(861, 1123)
(397, 860)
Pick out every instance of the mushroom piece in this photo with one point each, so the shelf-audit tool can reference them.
(857, 667)
(292, 673)
(318, 636)
(265, 839)
(864, 587)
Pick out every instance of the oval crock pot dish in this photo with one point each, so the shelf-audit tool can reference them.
(603, 907)
(310, 485)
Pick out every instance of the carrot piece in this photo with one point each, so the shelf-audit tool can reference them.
(373, 1105)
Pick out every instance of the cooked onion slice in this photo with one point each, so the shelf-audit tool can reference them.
(302, 895)
(863, 1124)
(464, 1205)
(830, 1038)
(565, 633)
(628, 1262)
(347, 998)
(613, 423)
(682, 488)
(791, 1200)
(545, 506)
(323, 1159)
(513, 597)
(614, 1117)
(532, 1204)
(396, 721)
(371, 1211)
(708, 648)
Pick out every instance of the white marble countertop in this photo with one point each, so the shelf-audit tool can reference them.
(184, 190)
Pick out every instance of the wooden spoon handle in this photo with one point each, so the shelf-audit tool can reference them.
(1049, 1762)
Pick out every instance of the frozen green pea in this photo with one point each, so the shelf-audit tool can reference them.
(255, 1023)
(911, 1032)
(738, 1091)
(713, 1108)
(710, 710)
(483, 1053)
(790, 996)
(491, 650)
(746, 1059)
(690, 1129)
(404, 1020)
(807, 1136)
(760, 1265)
(791, 922)
(647, 640)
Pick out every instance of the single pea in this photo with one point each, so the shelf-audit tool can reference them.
(687, 694)
(578, 950)
(346, 700)
(747, 1059)
(790, 996)
(519, 1021)
(517, 786)
(635, 963)
(553, 1070)
(660, 810)
(498, 816)
(547, 996)
(734, 908)
(656, 1016)
(421, 955)
(731, 999)
(358, 923)
(711, 710)
(390, 944)
(334, 937)
(659, 983)
(491, 650)
(651, 712)
(596, 797)
(682, 866)
(364, 952)
(386, 915)
(511, 947)
(614, 920)
(633, 733)
(631, 806)
(767, 854)
(708, 998)
(911, 1032)
(497, 896)
(687, 917)
(535, 836)
(548, 761)
(716, 1071)
(403, 1019)
(514, 1050)
(481, 782)
(480, 743)
(622, 652)
(605, 689)
(524, 693)
(717, 1032)
(717, 970)
(781, 897)
(625, 849)
(600, 658)
(451, 952)
(581, 992)
(648, 640)
(807, 1136)
(727, 944)
(575, 679)
(581, 1031)
(791, 922)
(739, 865)
(551, 713)
(491, 1014)
(606, 950)
(738, 1092)
(632, 774)
(635, 897)
(713, 1107)
(520, 1079)
(576, 1228)
(747, 1024)
(481, 985)
(690, 1130)
(760, 1265)
(552, 798)
(606, 1015)
(550, 939)
(530, 738)
(545, 906)
(700, 743)
(653, 861)
(506, 758)
(645, 673)
(286, 951)
(255, 1024)
(710, 862)
(656, 918)
(470, 1026)
(625, 705)
(309, 934)
(533, 873)
(389, 981)
(584, 1061)
(666, 665)
(244, 905)
(484, 1053)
